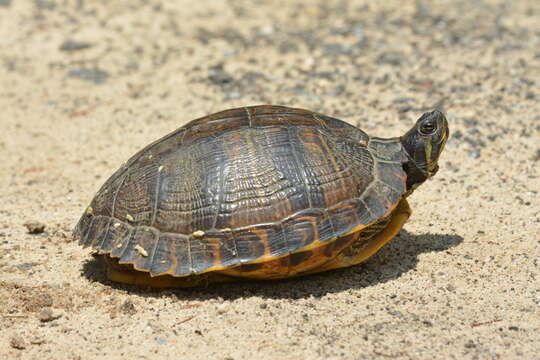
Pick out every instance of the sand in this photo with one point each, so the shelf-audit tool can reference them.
(85, 84)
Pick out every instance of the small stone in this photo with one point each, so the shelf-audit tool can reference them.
(95, 75)
(161, 340)
(37, 340)
(90, 211)
(219, 76)
(130, 218)
(390, 58)
(128, 307)
(38, 301)
(160, 168)
(26, 266)
(47, 315)
(17, 342)
(231, 95)
(222, 308)
(119, 246)
(141, 250)
(198, 233)
(71, 45)
(267, 30)
(116, 225)
(474, 153)
(34, 227)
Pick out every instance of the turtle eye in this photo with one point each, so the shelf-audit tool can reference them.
(428, 127)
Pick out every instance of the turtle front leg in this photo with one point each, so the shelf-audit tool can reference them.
(362, 249)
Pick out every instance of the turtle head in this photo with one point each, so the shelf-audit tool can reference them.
(423, 145)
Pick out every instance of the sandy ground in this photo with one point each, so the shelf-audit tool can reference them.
(85, 84)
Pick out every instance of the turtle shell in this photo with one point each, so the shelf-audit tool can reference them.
(242, 187)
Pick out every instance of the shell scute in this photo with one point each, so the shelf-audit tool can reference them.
(202, 254)
(142, 253)
(164, 256)
(118, 232)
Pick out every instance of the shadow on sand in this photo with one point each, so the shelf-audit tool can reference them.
(395, 259)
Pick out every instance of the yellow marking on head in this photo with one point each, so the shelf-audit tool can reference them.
(428, 148)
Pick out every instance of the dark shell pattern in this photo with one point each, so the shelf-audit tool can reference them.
(241, 187)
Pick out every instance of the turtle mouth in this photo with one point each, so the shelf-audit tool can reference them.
(432, 172)
(427, 172)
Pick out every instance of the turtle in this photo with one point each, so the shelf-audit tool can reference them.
(262, 192)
